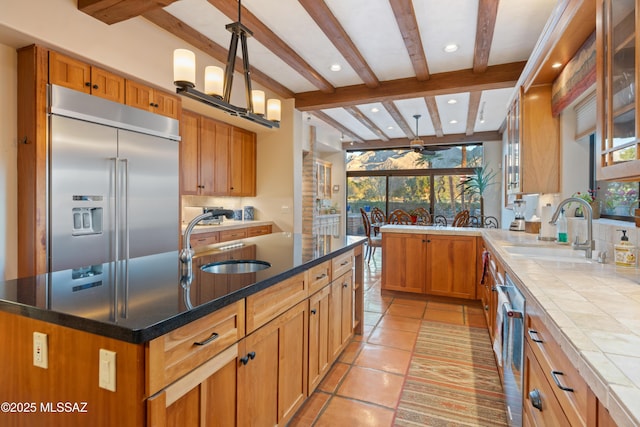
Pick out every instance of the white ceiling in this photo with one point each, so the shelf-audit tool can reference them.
(372, 27)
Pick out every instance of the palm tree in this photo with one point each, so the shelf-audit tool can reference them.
(478, 183)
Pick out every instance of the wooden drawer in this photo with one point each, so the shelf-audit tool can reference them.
(226, 235)
(275, 300)
(258, 230)
(549, 412)
(319, 276)
(341, 264)
(176, 353)
(204, 239)
(559, 371)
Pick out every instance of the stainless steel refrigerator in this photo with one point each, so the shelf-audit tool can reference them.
(113, 181)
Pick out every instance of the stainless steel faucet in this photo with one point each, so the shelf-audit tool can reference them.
(186, 254)
(588, 245)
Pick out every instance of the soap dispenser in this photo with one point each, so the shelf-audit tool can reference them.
(625, 252)
(561, 225)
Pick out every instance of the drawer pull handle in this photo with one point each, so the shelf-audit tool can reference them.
(554, 375)
(208, 340)
(536, 399)
(344, 263)
(313, 311)
(250, 356)
(535, 338)
(322, 276)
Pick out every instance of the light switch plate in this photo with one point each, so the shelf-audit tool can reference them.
(40, 350)
(107, 370)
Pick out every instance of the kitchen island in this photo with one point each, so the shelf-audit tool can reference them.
(181, 344)
(588, 315)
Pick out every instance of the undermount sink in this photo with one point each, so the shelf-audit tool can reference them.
(235, 266)
(548, 253)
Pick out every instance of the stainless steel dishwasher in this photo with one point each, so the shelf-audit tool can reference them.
(512, 349)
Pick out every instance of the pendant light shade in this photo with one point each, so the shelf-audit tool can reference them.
(258, 101)
(274, 110)
(184, 68)
(213, 81)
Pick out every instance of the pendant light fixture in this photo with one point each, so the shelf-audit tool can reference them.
(416, 143)
(218, 83)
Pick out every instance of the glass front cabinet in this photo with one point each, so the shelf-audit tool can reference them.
(617, 39)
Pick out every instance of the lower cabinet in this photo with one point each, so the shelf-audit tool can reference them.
(434, 264)
(319, 358)
(340, 314)
(272, 373)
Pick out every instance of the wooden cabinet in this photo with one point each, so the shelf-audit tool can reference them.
(323, 178)
(403, 262)
(554, 391)
(272, 375)
(340, 314)
(451, 266)
(242, 163)
(319, 358)
(216, 159)
(147, 98)
(207, 396)
(486, 291)
(80, 76)
(533, 144)
(619, 50)
(259, 230)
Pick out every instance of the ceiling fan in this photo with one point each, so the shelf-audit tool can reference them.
(416, 144)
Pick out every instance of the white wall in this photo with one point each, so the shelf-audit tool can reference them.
(8, 158)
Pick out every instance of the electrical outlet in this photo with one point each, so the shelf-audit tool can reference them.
(107, 370)
(40, 350)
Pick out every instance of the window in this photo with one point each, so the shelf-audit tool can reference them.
(617, 199)
(404, 179)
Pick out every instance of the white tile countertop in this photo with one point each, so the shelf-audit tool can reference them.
(591, 309)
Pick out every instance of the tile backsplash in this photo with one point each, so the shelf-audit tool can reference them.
(605, 233)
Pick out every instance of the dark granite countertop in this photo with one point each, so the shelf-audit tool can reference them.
(152, 301)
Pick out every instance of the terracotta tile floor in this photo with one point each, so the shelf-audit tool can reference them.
(364, 385)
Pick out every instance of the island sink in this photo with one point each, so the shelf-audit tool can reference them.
(235, 266)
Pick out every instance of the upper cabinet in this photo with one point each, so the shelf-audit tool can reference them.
(216, 159)
(77, 75)
(617, 44)
(323, 178)
(150, 99)
(533, 144)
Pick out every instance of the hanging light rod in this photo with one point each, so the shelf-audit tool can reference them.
(218, 84)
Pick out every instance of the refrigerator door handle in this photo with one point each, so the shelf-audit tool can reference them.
(116, 207)
(125, 200)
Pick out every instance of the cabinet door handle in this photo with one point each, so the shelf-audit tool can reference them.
(535, 338)
(208, 340)
(345, 285)
(95, 87)
(554, 375)
(313, 311)
(250, 356)
(87, 84)
(536, 399)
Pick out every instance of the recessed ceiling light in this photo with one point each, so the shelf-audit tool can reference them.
(336, 67)
(452, 101)
(453, 122)
(450, 48)
(556, 65)
(389, 127)
(374, 110)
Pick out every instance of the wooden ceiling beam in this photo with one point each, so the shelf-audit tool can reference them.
(274, 43)
(408, 25)
(451, 139)
(366, 122)
(487, 13)
(496, 77)
(114, 11)
(397, 117)
(181, 30)
(329, 24)
(435, 115)
(336, 125)
(472, 114)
